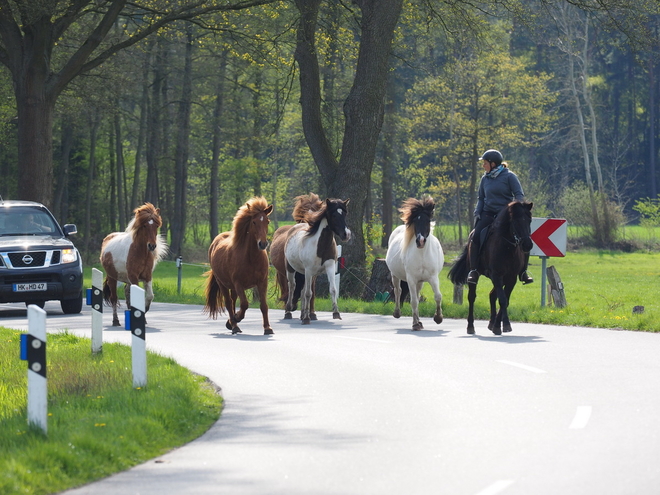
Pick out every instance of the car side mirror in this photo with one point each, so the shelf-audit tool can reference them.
(69, 229)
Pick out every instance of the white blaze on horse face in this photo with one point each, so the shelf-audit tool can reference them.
(421, 240)
(340, 211)
(151, 222)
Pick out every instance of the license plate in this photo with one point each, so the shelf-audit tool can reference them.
(31, 287)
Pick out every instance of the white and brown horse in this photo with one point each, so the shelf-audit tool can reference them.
(131, 256)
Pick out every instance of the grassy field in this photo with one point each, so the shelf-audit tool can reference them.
(601, 288)
(98, 423)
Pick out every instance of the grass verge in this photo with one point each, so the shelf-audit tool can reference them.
(98, 423)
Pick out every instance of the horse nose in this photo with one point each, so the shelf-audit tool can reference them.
(527, 244)
(152, 247)
(420, 240)
(347, 235)
(262, 244)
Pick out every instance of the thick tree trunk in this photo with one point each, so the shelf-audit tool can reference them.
(61, 191)
(218, 111)
(121, 174)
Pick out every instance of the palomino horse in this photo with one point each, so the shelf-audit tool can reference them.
(131, 257)
(239, 262)
(414, 263)
(311, 249)
(304, 203)
(501, 259)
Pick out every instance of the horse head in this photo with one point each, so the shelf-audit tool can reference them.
(417, 215)
(256, 213)
(146, 223)
(335, 212)
(520, 214)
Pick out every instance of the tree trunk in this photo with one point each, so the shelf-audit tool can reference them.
(216, 146)
(63, 174)
(121, 173)
(142, 132)
(91, 173)
(182, 146)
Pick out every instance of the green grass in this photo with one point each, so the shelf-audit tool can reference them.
(601, 289)
(98, 423)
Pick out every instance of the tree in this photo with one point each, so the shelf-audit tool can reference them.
(35, 39)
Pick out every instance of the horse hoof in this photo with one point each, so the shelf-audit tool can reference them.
(437, 319)
(268, 331)
(397, 314)
(418, 326)
(491, 325)
(306, 321)
(506, 328)
(288, 316)
(115, 323)
(236, 330)
(313, 317)
(470, 331)
(497, 331)
(336, 316)
(229, 326)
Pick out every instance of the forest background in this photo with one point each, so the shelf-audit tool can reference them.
(198, 106)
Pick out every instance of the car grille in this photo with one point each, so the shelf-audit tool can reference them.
(30, 259)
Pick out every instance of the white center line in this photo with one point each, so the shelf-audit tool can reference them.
(366, 340)
(522, 366)
(497, 487)
(581, 418)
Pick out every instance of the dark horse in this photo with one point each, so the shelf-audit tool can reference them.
(501, 259)
(239, 262)
(131, 257)
(303, 204)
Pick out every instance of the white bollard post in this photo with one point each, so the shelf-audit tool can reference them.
(37, 410)
(139, 330)
(97, 311)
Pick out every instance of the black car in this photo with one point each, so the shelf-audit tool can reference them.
(38, 261)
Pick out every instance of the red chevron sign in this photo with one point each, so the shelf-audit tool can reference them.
(549, 237)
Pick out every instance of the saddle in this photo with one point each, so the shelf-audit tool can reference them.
(483, 235)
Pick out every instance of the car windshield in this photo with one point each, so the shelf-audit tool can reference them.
(26, 221)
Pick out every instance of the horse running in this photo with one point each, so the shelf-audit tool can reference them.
(418, 262)
(304, 203)
(131, 256)
(501, 259)
(311, 249)
(239, 262)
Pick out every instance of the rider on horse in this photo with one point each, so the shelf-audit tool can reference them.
(497, 188)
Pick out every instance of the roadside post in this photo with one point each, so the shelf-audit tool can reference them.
(33, 350)
(95, 300)
(549, 237)
(138, 328)
(179, 265)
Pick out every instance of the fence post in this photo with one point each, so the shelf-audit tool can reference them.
(33, 349)
(97, 311)
(138, 331)
(179, 265)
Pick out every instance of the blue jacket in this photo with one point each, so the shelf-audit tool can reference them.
(497, 191)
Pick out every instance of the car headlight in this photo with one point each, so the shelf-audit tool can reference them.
(69, 255)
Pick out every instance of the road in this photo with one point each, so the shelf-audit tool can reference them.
(365, 406)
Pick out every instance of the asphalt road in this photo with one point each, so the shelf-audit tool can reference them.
(365, 406)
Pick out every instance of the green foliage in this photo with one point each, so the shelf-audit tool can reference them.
(649, 211)
(97, 423)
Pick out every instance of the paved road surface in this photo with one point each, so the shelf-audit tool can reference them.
(365, 406)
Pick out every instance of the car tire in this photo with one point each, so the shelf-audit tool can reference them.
(72, 306)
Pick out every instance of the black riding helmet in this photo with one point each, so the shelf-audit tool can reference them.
(493, 156)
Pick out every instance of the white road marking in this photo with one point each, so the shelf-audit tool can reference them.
(522, 366)
(359, 338)
(497, 487)
(581, 418)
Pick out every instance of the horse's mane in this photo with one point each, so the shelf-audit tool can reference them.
(412, 207)
(306, 203)
(507, 214)
(243, 217)
(143, 214)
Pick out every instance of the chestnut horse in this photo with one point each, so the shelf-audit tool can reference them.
(501, 259)
(239, 262)
(311, 249)
(131, 256)
(304, 203)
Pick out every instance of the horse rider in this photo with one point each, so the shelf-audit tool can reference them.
(497, 188)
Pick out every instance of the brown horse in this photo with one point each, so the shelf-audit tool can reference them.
(304, 203)
(131, 256)
(239, 262)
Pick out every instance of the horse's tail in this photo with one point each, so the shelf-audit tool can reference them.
(300, 283)
(214, 298)
(106, 291)
(282, 286)
(459, 271)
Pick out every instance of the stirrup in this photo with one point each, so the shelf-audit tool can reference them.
(473, 277)
(525, 278)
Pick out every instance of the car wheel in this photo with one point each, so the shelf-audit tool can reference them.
(72, 306)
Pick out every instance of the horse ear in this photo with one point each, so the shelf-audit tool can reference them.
(529, 205)
(347, 201)
(268, 210)
(157, 211)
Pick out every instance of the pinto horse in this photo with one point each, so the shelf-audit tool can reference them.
(239, 262)
(304, 203)
(414, 256)
(501, 259)
(311, 249)
(131, 256)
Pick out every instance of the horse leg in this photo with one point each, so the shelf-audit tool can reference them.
(472, 295)
(148, 294)
(508, 289)
(305, 298)
(396, 283)
(230, 305)
(263, 305)
(240, 313)
(312, 313)
(114, 300)
(332, 283)
(415, 288)
(502, 299)
(493, 308)
(291, 278)
(435, 285)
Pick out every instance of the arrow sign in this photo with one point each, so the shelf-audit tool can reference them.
(549, 237)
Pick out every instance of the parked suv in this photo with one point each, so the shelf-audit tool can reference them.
(38, 262)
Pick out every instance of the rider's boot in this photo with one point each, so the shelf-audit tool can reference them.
(473, 276)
